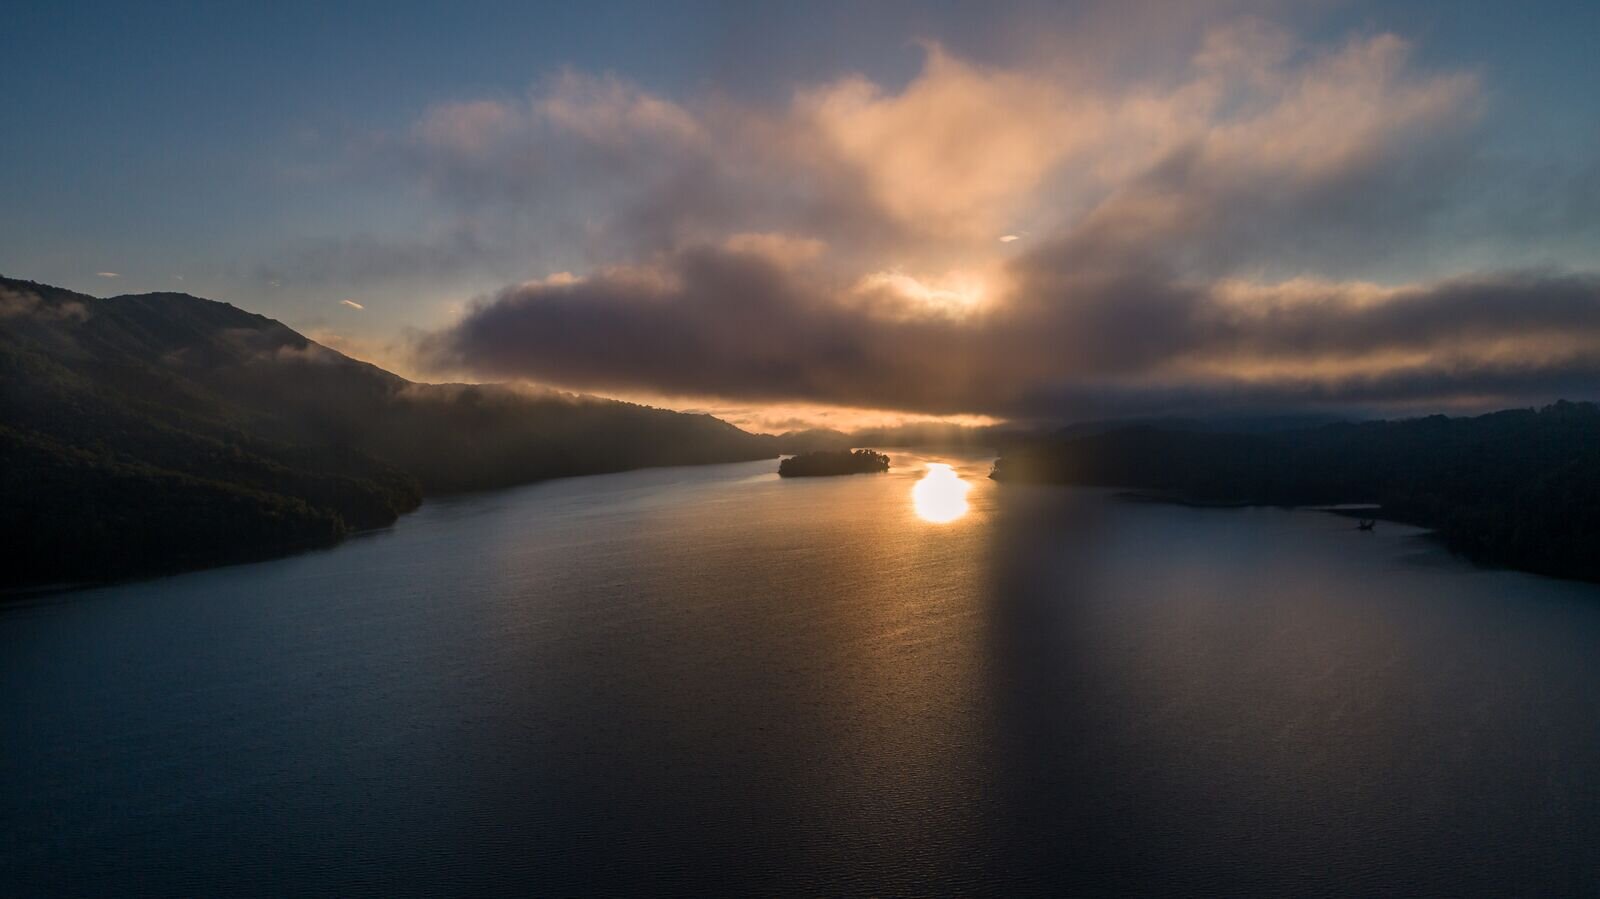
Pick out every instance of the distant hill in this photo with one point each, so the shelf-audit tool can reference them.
(1519, 488)
(1238, 424)
(812, 440)
(163, 431)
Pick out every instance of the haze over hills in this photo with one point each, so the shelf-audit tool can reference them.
(927, 433)
(164, 431)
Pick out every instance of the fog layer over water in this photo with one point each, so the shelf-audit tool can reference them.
(698, 679)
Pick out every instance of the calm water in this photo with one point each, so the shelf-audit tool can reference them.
(708, 679)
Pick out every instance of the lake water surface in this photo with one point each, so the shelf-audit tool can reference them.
(701, 680)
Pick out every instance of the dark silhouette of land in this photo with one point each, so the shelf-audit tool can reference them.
(1519, 488)
(153, 433)
(831, 462)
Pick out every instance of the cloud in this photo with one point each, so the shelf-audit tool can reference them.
(713, 323)
(352, 304)
(107, 275)
(606, 111)
(470, 129)
(783, 249)
(393, 355)
(1243, 232)
(26, 304)
(958, 148)
(929, 170)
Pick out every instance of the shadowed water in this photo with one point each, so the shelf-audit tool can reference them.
(711, 679)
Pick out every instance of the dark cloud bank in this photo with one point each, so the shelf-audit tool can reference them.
(1066, 344)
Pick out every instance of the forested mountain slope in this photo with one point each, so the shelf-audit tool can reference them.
(163, 431)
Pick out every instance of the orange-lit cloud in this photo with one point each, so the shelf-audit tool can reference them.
(956, 150)
(1221, 235)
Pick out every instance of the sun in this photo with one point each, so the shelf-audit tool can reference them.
(941, 496)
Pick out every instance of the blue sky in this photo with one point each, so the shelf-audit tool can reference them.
(269, 154)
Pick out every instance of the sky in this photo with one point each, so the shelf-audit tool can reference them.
(843, 214)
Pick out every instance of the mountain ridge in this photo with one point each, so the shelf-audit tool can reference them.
(1518, 487)
(146, 433)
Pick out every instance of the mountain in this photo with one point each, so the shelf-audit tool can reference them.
(159, 432)
(1519, 488)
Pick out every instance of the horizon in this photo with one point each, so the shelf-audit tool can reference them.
(867, 422)
(849, 219)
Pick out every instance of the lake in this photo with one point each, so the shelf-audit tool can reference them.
(698, 680)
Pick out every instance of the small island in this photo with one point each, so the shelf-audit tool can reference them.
(831, 462)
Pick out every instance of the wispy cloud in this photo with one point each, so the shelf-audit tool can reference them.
(108, 274)
(352, 304)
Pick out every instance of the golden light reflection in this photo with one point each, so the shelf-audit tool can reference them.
(956, 293)
(941, 496)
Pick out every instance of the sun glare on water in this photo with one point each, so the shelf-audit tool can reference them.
(941, 496)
